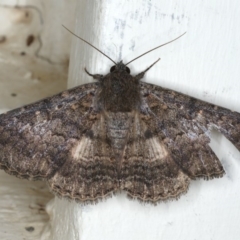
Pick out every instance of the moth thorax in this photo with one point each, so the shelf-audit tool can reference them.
(120, 95)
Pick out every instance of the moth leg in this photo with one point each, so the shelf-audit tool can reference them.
(141, 74)
(95, 76)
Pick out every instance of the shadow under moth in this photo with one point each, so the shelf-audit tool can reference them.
(117, 134)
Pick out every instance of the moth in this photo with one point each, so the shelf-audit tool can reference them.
(116, 134)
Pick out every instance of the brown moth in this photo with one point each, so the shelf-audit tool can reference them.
(117, 134)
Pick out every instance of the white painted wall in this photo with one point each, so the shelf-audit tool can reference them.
(203, 63)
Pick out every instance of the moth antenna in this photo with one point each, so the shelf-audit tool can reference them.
(155, 48)
(89, 44)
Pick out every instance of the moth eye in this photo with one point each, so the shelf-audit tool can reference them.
(128, 70)
(112, 69)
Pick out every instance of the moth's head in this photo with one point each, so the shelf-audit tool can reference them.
(120, 67)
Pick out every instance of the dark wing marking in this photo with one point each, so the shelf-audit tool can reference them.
(149, 172)
(184, 124)
(35, 140)
(90, 173)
